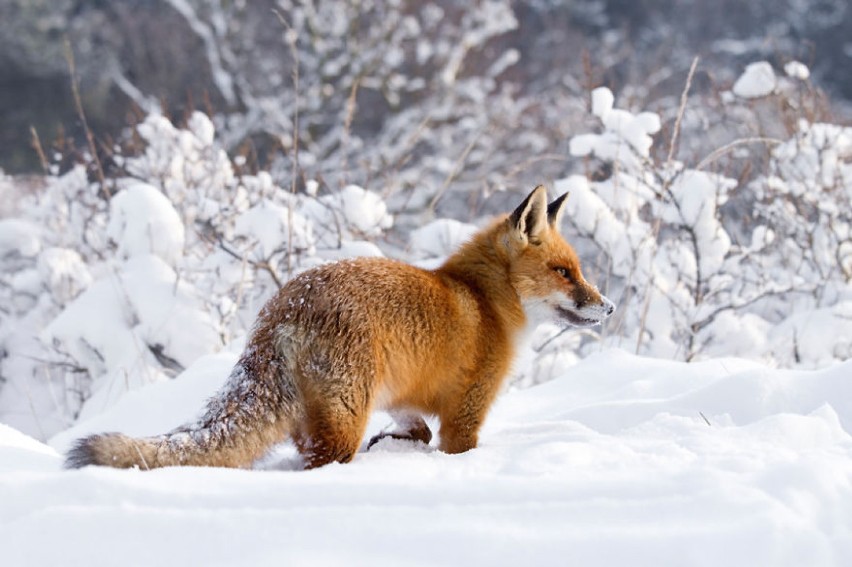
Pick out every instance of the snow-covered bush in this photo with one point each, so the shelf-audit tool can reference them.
(110, 288)
(693, 274)
(805, 201)
(402, 98)
(660, 229)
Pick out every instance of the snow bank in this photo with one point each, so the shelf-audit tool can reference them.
(620, 460)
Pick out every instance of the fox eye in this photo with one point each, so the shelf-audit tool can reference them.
(563, 272)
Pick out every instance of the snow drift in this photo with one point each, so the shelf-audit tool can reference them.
(623, 459)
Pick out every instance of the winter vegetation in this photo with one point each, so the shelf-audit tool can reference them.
(708, 420)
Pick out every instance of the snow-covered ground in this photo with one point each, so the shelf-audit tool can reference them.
(622, 460)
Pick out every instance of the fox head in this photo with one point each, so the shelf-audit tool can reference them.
(545, 270)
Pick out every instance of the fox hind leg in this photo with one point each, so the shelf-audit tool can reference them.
(332, 430)
(410, 426)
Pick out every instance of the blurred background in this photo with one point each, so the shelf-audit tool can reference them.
(386, 68)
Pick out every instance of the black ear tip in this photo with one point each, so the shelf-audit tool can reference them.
(554, 209)
(534, 196)
(560, 198)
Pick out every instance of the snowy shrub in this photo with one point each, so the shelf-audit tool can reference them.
(660, 230)
(143, 221)
(694, 276)
(402, 98)
(805, 201)
(109, 289)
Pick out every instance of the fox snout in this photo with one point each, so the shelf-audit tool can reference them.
(586, 314)
(609, 306)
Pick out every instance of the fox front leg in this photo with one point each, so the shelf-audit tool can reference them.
(410, 427)
(460, 428)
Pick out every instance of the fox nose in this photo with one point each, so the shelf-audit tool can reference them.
(609, 306)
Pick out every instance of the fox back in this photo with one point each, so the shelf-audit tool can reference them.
(344, 339)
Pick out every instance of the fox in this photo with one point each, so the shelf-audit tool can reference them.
(343, 339)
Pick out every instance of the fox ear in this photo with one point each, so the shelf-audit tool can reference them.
(555, 210)
(530, 218)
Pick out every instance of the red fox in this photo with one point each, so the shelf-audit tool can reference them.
(343, 339)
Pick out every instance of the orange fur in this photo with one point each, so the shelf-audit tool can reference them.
(343, 339)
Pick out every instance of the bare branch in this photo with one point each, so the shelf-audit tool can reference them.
(78, 103)
(716, 154)
(680, 111)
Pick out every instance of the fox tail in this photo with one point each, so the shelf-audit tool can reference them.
(249, 415)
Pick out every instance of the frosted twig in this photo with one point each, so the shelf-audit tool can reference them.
(454, 173)
(347, 129)
(710, 317)
(646, 306)
(35, 415)
(71, 366)
(530, 161)
(258, 265)
(680, 111)
(719, 152)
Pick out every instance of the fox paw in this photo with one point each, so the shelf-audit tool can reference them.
(422, 434)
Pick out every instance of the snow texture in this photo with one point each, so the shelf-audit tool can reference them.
(142, 221)
(797, 70)
(627, 136)
(439, 238)
(619, 460)
(757, 80)
(269, 225)
(19, 237)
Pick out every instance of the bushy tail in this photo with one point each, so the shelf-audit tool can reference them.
(251, 413)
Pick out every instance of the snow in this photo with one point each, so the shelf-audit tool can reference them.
(269, 225)
(142, 220)
(348, 214)
(797, 70)
(757, 80)
(109, 327)
(363, 212)
(627, 136)
(439, 238)
(602, 101)
(63, 272)
(805, 331)
(619, 460)
(19, 236)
